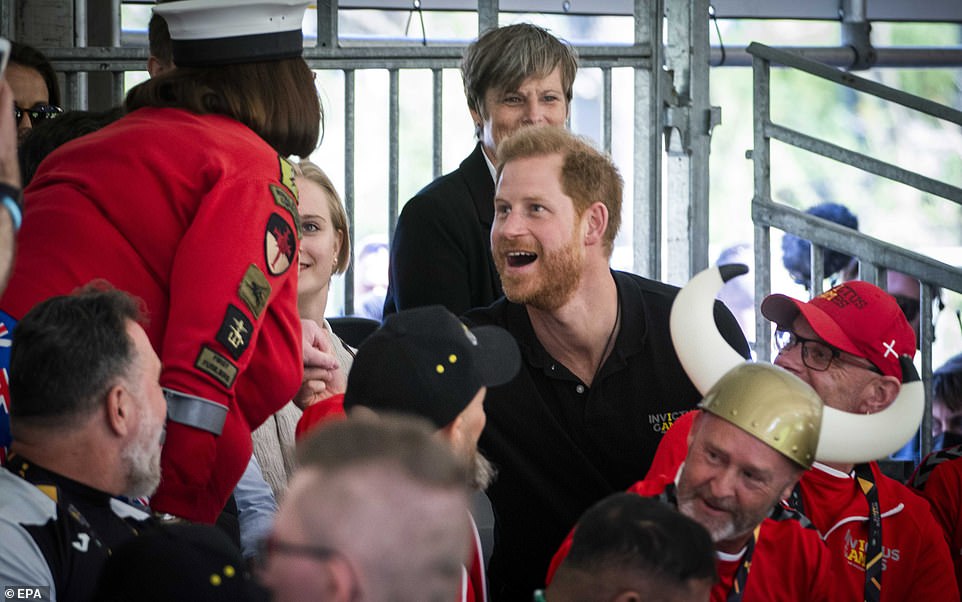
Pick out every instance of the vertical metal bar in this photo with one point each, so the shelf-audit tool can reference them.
(679, 166)
(77, 89)
(437, 77)
(606, 108)
(8, 19)
(761, 163)
(117, 78)
(488, 15)
(699, 130)
(817, 270)
(327, 23)
(649, 119)
(349, 132)
(763, 285)
(868, 271)
(75, 97)
(926, 338)
(392, 170)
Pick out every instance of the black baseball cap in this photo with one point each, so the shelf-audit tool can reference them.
(425, 362)
(184, 562)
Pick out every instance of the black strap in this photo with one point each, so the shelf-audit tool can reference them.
(865, 480)
(741, 575)
(873, 552)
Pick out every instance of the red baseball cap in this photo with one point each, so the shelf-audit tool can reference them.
(856, 317)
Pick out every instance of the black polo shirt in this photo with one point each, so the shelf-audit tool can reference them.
(561, 446)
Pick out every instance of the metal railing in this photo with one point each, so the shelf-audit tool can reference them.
(876, 257)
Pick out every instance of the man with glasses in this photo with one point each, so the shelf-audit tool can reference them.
(846, 343)
(378, 510)
(36, 92)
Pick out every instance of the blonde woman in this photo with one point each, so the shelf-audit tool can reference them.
(325, 251)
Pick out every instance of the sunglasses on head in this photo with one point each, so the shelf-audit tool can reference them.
(38, 112)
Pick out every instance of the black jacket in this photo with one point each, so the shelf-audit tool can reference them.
(441, 252)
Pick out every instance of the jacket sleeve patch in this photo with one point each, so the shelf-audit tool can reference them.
(285, 201)
(235, 332)
(287, 175)
(254, 290)
(280, 245)
(216, 365)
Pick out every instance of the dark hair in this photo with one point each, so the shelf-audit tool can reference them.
(67, 351)
(30, 57)
(48, 134)
(643, 535)
(158, 40)
(947, 383)
(797, 252)
(502, 58)
(276, 99)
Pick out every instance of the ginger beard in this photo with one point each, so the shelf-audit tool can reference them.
(559, 272)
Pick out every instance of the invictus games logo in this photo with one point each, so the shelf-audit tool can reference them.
(843, 296)
(854, 552)
(660, 423)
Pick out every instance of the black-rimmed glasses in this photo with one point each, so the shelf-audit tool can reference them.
(38, 112)
(817, 355)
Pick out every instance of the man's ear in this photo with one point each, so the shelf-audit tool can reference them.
(452, 432)
(878, 394)
(119, 407)
(596, 223)
(790, 486)
(155, 66)
(341, 582)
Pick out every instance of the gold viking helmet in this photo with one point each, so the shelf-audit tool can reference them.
(773, 406)
(843, 437)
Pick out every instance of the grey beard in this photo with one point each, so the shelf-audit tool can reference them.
(482, 474)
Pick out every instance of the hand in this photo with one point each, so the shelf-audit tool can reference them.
(323, 376)
(9, 164)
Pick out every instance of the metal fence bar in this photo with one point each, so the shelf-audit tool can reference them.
(648, 121)
(103, 58)
(828, 234)
(861, 84)
(349, 192)
(844, 56)
(817, 259)
(761, 162)
(863, 162)
(393, 152)
(437, 78)
(606, 108)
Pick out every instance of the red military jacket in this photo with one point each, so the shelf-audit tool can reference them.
(196, 215)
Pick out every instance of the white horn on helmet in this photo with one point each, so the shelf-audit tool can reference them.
(704, 354)
(855, 438)
(844, 437)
